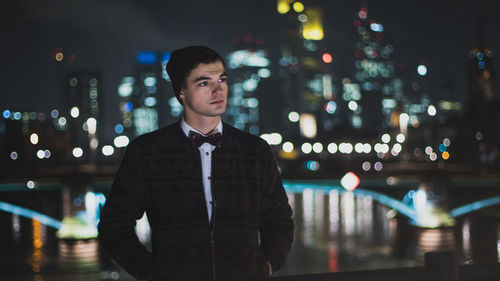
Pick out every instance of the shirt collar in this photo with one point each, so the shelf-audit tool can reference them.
(186, 128)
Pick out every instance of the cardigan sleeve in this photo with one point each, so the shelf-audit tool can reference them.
(276, 224)
(124, 205)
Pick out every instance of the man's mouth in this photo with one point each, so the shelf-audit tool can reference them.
(217, 102)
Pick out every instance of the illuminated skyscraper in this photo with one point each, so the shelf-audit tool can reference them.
(373, 94)
(248, 67)
(141, 95)
(83, 106)
(308, 98)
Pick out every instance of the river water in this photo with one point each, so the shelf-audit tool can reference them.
(333, 232)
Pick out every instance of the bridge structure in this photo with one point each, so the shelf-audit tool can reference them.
(409, 195)
(413, 197)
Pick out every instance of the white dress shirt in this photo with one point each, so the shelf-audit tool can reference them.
(206, 150)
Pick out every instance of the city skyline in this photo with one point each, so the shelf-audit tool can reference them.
(371, 50)
(440, 35)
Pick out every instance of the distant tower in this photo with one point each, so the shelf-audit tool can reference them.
(308, 94)
(482, 73)
(83, 104)
(248, 67)
(373, 94)
(481, 133)
(141, 95)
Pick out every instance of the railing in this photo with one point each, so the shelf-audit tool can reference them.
(439, 266)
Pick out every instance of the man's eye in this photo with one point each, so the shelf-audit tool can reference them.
(203, 84)
(223, 79)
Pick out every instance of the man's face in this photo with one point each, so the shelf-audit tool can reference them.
(205, 91)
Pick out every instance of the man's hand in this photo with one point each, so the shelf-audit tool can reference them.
(270, 269)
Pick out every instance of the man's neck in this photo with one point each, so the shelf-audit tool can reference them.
(203, 125)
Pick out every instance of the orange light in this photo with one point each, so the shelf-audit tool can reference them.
(486, 74)
(327, 58)
(446, 155)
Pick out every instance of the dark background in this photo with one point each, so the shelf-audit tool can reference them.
(105, 36)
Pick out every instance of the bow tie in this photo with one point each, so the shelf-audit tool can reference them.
(197, 139)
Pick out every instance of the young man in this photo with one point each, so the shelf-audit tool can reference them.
(212, 193)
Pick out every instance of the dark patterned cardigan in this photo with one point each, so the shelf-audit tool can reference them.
(160, 174)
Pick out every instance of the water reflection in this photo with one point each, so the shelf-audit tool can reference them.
(36, 258)
(79, 258)
(335, 231)
(16, 228)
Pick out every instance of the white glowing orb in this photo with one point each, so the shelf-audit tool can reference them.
(108, 150)
(350, 181)
(306, 148)
(121, 141)
(77, 152)
(287, 147)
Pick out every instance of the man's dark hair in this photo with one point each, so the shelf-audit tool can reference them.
(184, 60)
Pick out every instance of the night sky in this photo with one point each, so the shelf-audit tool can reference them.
(105, 37)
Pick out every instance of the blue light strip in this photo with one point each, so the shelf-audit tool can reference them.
(388, 201)
(27, 213)
(465, 209)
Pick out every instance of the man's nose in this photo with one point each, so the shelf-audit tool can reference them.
(217, 89)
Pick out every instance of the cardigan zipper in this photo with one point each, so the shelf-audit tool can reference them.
(212, 226)
(212, 236)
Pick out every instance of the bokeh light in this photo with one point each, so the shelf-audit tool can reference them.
(442, 147)
(298, 7)
(108, 150)
(121, 141)
(34, 138)
(30, 184)
(77, 152)
(332, 148)
(14, 155)
(422, 70)
(118, 128)
(317, 147)
(312, 165)
(359, 147)
(433, 156)
(479, 136)
(306, 148)
(366, 166)
(428, 150)
(445, 155)
(447, 142)
(367, 148)
(346, 148)
(62, 121)
(350, 181)
(431, 110)
(293, 116)
(59, 56)
(386, 138)
(40, 154)
(400, 138)
(75, 112)
(331, 107)
(287, 147)
(327, 58)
